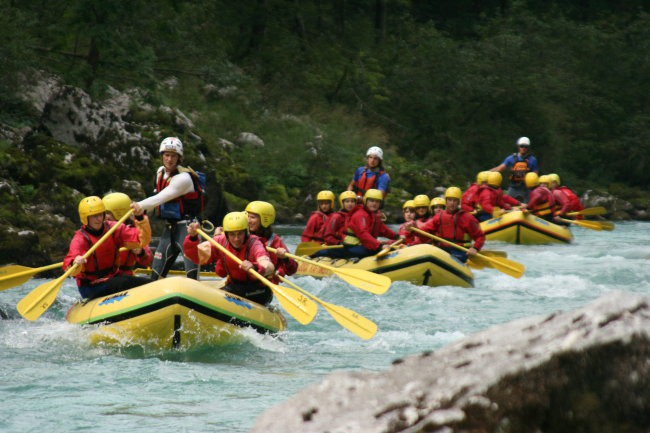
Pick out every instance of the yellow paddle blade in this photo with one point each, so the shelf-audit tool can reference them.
(477, 263)
(364, 280)
(294, 303)
(598, 210)
(591, 225)
(606, 225)
(507, 266)
(15, 275)
(32, 306)
(349, 319)
(309, 248)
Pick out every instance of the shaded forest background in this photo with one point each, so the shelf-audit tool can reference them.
(445, 87)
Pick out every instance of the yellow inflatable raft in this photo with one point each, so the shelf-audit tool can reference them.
(422, 264)
(524, 228)
(174, 313)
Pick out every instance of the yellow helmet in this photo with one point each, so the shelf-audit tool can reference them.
(545, 179)
(265, 210)
(482, 177)
(117, 203)
(453, 192)
(88, 206)
(326, 195)
(553, 177)
(373, 194)
(421, 200)
(438, 201)
(235, 221)
(408, 203)
(494, 178)
(345, 195)
(531, 179)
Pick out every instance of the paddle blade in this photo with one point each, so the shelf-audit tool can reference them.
(295, 304)
(606, 225)
(15, 275)
(494, 253)
(32, 306)
(507, 266)
(364, 280)
(351, 320)
(593, 211)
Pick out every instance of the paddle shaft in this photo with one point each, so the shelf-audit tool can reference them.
(385, 251)
(289, 303)
(593, 211)
(585, 224)
(45, 294)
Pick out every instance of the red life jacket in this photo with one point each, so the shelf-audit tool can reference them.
(365, 182)
(450, 230)
(574, 201)
(102, 263)
(190, 205)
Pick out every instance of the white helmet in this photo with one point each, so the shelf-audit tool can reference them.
(375, 151)
(523, 141)
(171, 144)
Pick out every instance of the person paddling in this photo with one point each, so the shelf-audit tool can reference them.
(365, 225)
(408, 209)
(261, 216)
(235, 237)
(117, 204)
(99, 275)
(333, 229)
(492, 201)
(313, 231)
(564, 194)
(541, 202)
(469, 201)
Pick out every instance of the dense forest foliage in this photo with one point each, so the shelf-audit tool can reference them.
(445, 86)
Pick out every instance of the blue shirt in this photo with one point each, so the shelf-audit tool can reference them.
(381, 183)
(511, 159)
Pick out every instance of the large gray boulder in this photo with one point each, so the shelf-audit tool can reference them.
(581, 371)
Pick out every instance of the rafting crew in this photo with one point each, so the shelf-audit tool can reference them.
(261, 216)
(456, 226)
(178, 200)
(117, 204)
(541, 202)
(371, 176)
(333, 229)
(99, 274)
(519, 163)
(235, 237)
(365, 226)
(492, 202)
(313, 231)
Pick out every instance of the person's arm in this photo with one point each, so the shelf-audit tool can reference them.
(383, 183)
(474, 229)
(180, 185)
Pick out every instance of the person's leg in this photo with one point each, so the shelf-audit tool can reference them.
(116, 284)
(254, 292)
(165, 255)
(179, 235)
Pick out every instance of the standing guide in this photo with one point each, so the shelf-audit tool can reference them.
(178, 200)
(519, 163)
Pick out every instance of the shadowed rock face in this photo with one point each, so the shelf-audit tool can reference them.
(581, 371)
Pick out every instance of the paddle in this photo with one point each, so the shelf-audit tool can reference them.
(592, 225)
(583, 223)
(510, 267)
(32, 306)
(598, 210)
(173, 272)
(362, 279)
(383, 253)
(297, 305)
(309, 248)
(15, 275)
(350, 320)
